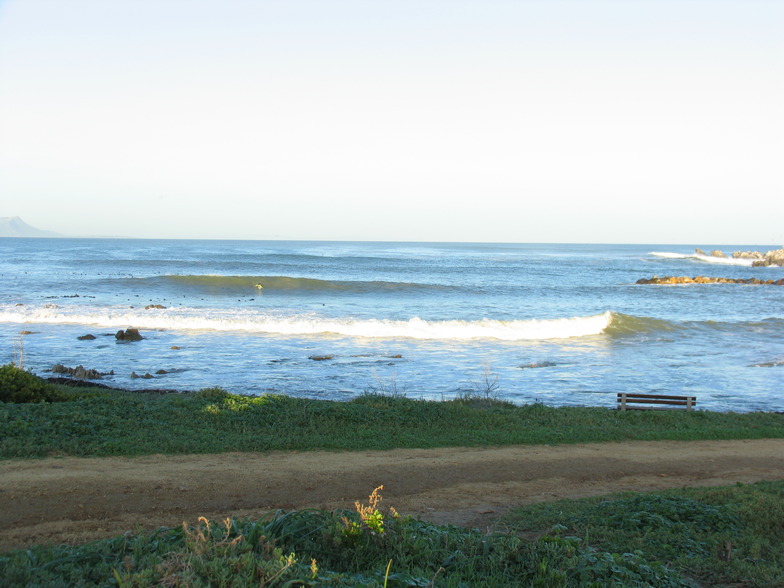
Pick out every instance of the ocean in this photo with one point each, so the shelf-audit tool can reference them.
(560, 324)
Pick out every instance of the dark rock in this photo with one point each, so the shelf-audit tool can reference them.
(147, 376)
(75, 383)
(86, 337)
(321, 357)
(159, 306)
(538, 364)
(129, 335)
(161, 372)
(80, 372)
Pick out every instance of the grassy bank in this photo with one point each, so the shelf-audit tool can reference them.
(114, 422)
(732, 536)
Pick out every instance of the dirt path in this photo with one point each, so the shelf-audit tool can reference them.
(75, 500)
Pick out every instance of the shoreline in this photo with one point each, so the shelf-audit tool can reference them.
(479, 397)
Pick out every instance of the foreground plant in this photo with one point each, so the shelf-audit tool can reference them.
(20, 386)
(369, 546)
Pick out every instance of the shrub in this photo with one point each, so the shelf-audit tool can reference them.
(215, 393)
(20, 386)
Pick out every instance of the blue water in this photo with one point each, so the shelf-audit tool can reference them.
(559, 324)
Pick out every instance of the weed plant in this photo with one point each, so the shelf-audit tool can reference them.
(110, 422)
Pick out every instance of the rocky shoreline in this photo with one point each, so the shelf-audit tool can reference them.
(772, 257)
(708, 280)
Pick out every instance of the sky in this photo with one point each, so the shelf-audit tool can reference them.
(624, 121)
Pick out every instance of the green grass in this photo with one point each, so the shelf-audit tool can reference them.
(113, 422)
(727, 536)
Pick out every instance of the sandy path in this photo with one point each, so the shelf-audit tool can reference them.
(74, 500)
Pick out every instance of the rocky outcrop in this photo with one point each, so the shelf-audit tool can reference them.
(775, 257)
(772, 257)
(80, 372)
(129, 335)
(669, 280)
(748, 255)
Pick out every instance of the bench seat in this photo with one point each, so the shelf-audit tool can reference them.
(635, 401)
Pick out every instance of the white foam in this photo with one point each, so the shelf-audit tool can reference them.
(724, 260)
(670, 255)
(704, 258)
(225, 320)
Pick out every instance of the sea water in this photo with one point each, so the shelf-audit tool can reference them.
(559, 324)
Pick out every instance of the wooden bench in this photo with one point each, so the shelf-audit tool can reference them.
(634, 401)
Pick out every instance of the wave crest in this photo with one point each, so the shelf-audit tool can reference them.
(225, 320)
(250, 284)
(704, 258)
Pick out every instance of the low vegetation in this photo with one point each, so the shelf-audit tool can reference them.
(100, 422)
(20, 386)
(720, 536)
(692, 537)
(726, 536)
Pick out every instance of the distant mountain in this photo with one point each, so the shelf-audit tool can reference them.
(13, 226)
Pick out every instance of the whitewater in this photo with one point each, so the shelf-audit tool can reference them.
(561, 324)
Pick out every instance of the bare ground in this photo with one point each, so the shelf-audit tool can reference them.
(75, 500)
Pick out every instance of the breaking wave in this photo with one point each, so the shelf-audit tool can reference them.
(704, 258)
(612, 324)
(626, 324)
(311, 324)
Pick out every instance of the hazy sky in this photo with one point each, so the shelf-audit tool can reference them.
(656, 121)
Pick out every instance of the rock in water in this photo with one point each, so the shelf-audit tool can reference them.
(759, 259)
(669, 280)
(129, 335)
(80, 372)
